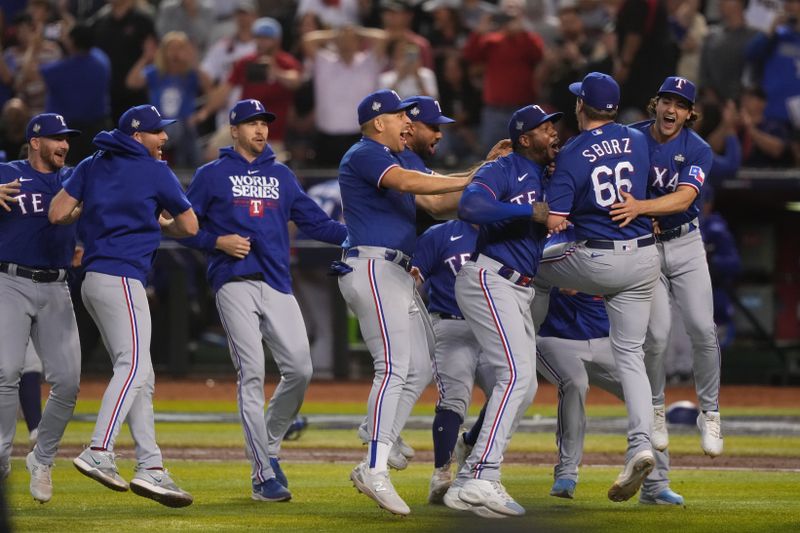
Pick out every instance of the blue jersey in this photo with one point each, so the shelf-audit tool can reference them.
(516, 242)
(591, 169)
(26, 235)
(123, 190)
(441, 252)
(685, 160)
(580, 317)
(780, 76)
(412, 161)
(375, 216)
(254, 200)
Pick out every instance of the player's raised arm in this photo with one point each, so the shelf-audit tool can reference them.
(64, 209)
(7, 192)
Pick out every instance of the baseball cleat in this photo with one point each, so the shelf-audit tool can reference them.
(158, 486)
(563, 488)
(296, 429)
(407, 451)
(632, 476)
(271, 491)
(710, 427)
(379, 487)
(440, 481)
(461, 452)
(451, 499)
(665, 497)
(280, 477)
(492, 495)
(100, 466)
(659, 437)
(396, 459)
(41, 483)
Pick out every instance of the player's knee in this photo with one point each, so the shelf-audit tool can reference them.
(577, 384)
(299, 374)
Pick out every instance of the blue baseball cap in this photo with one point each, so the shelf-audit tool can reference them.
(378, 103)
(245, 110)
(598, 90)
(426, 110)
(680, 86)
(528, 118)
(48, 125)
(142, 118)
(267, 27)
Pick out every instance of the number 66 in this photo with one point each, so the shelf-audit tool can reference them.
(607, 193)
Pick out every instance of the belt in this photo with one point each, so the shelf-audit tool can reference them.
(678, 231)
(447, 316)
(258, 276)
(395, 256)
(624, 245)
(34, 274)
(507, 272)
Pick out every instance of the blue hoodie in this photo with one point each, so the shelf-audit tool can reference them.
(254, 200)
(123, 190)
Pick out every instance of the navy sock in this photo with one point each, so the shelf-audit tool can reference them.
(30, 397)
(472, 435)
(445, 432)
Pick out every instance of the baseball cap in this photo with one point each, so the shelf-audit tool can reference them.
(48, 125)
(680, 86)
(378, 103)
(142, 118)
(598, 90)
(245, 110)
(426, 110)
(528, 118)
(267, 27)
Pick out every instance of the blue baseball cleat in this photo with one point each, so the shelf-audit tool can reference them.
(296, 429)
(563, 488)
(271, 491)
(280, 477)
(665, 497)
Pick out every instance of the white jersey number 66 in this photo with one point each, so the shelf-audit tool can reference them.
(608, 183)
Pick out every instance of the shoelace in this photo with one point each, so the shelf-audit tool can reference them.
(501, 491)
(713, 427)
(659, 418)
(41, 470)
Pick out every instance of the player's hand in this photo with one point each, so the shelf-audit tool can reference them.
(502, 148)
(7, 190)
(416, 275)
(540, 212)
(558, 229)
(624, 212)
(234, 245)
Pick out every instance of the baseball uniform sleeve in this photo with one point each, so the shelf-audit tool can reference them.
(169, 193)
(199, 194)
(560, 192)
(373, 164)
(695, 172)
(74, 184)
(312, 220)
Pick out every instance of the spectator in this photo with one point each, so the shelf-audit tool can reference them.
(461, 100)
(509, 55)
(78, 90)
(343, 73)
(332, 13)
(722, 60)
(474, 11)
(121, 29)
(173, 84)
(717, 125)
(195, 18)
(765, 140)
(270, 76)
(44, 15)
(14, 118)
(408, 77)
(397, 16)
(689, 30)
(446, 32)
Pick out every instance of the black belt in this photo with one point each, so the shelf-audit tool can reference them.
(674, 233)
(258, 276)
(395, 256)
(609, 245)
(447, 316)
(34, 274)
(517, 278)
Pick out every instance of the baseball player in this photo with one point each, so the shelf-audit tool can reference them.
(34, 297)
(680, 160)
(129, 197)
(620, 264)
(379, 206)
(244, 200)
(494, 293)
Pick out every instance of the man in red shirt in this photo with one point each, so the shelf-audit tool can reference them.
(509, 55)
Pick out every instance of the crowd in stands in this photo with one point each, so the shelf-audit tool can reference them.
(311, 62)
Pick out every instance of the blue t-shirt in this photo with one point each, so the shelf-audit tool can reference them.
(26, 235)
(684, 160)
(173, 95)
(516, 242)
(375, 216)
(255, 200)
(441, 252)
(780, 76)
(123, 190)
(590, 170)
(78, 87)
(580, 317)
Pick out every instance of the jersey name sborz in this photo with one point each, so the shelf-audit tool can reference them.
(607, 147)
(660, 180)
(255, 187)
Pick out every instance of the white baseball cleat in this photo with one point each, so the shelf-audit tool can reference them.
(710, 427)
(461, 452)
(100, 466)
(379, 487)
(41, 482)
(396, 459)
(407, 451)
(492, 495)
(632, 476)
(659, 437)
(159, 486)
(451, 499)
(440, 482)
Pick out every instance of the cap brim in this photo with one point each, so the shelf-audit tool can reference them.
(552, 117)
(575, 88)
(68, 132)
(270, 117)
(676, 93)
(441, 120)
(163, 123)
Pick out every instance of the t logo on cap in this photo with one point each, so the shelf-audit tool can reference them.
(48, 125)
(246, 110)
(679, 86)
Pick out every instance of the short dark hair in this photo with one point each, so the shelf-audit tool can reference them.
(592, 113)
(82, 37)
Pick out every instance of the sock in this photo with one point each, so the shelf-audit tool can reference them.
(445, 432)
(379, 457)
(471, 437)
(30, 397)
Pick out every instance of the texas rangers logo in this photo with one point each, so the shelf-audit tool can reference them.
(679, 83)
(697, 173)
(438, 107)
(61, 119)
(155, 111)
(257, 104)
